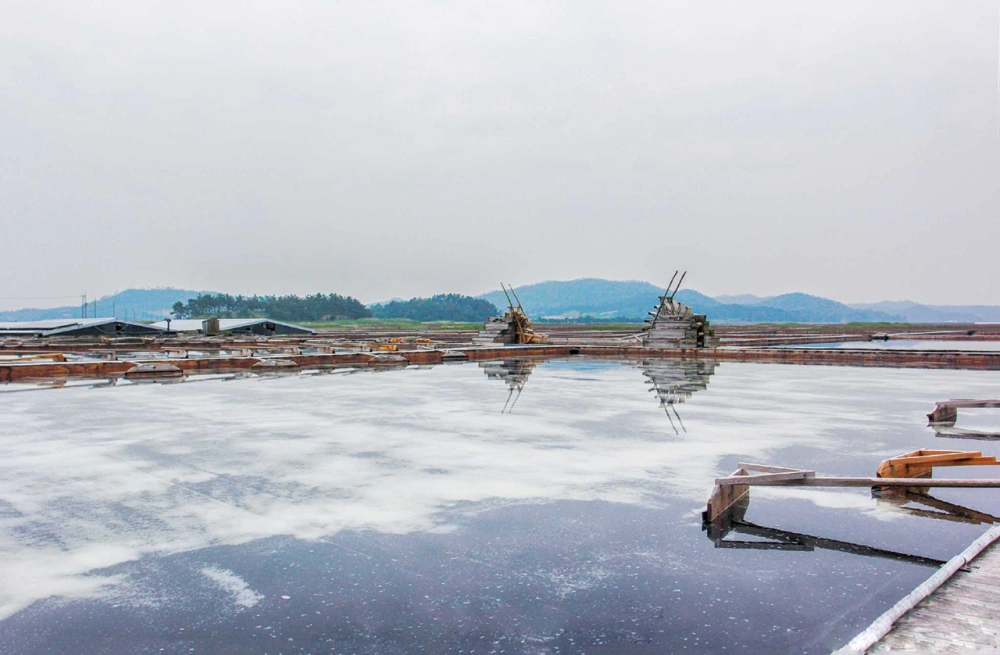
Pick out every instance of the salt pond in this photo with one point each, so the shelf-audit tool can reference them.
(906, 344)
(421, 510)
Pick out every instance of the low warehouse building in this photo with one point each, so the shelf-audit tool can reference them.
(258, 326)
(78, 327)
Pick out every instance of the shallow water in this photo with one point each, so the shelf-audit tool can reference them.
(907, 344)
(518, 507)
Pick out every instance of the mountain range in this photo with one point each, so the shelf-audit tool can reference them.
(600, 299)
(131, 304)
(631, 300)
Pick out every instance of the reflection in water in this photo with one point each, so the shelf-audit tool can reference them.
(900, 500)
(676, 381)
(515, 373)
(733, 520)
(202, 376)
(951, 432)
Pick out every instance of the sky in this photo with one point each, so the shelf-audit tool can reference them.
(398, 149)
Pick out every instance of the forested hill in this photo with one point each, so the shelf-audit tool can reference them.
(443, 307)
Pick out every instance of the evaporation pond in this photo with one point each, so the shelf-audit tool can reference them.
(509, 507)
(905, 344)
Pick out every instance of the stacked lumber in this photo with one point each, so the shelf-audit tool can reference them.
(674, 325)
(920, 463)
(513, 327)
(497, 330)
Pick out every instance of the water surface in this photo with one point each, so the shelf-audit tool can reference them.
(517, 507)
(906, 344)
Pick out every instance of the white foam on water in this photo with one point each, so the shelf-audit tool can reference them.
(243, 596)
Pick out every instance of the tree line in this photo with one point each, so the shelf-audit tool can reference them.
(316, 307)
(442, 307)
(330, 307)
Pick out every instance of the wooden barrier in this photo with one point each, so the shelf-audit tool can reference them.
(731, 489)
(946, 411)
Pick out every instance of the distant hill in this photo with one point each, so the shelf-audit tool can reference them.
(816, 309)
(443, 307)
(916, 313)
(585, 297)
(628, 300)
(631, 300)
(133, 304)
(904, 310)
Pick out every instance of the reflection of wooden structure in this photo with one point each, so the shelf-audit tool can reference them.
(514, 372)
(730, 490)
(728, 505)
(903, 501)
(676, 381)
(946, 411)
(733, 521)
(965, 433)
(675, 325)
(513, 327)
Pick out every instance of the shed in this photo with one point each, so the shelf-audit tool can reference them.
(78, 327)
(258, 326)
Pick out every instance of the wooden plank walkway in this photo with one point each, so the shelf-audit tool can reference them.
(962, 616)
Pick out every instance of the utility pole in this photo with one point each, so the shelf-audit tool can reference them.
(83, 305)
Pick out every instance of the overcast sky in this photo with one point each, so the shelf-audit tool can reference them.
(382, 149)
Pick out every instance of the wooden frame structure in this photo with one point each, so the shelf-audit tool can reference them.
(673, 325)
(727, 507)
(917, 466)
(514, 327)
(920, 463)
(946, 411)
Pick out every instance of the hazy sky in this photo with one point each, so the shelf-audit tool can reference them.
(381, 149)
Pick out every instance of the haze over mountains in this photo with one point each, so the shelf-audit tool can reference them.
(630, 300)
(600, 299)
(131, 304)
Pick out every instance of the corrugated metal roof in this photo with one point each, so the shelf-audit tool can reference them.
(225, 324)
(55, 327)
(236, 323)
(183, 325)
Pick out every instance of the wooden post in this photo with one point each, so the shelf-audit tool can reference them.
(724, 497)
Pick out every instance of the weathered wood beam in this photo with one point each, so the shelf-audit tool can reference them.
(765, 468)
(763, 481)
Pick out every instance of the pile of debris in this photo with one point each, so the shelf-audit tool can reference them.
(513, 327)
(674, 325)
